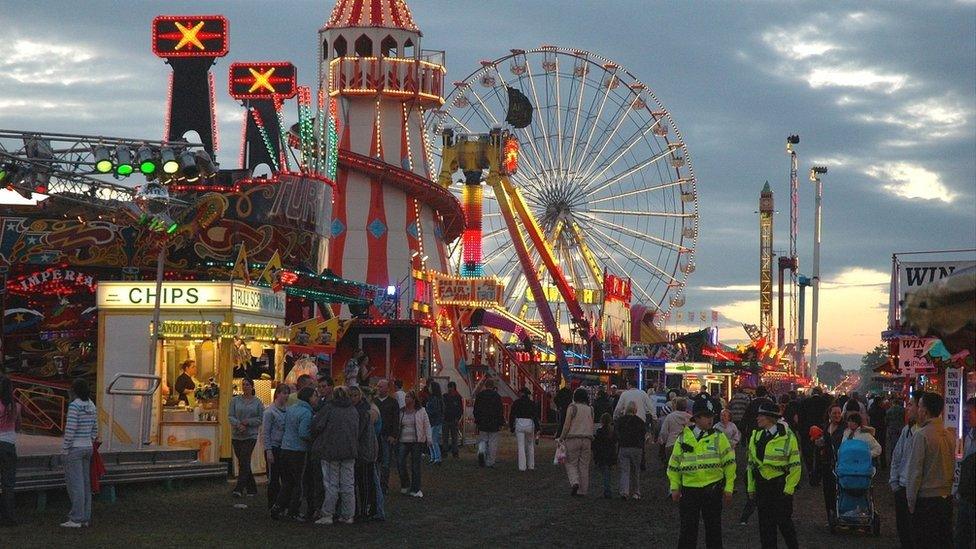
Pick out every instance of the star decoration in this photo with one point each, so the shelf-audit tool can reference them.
(189, 36)
(261, 80)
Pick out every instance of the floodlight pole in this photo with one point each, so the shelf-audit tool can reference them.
(815, 174)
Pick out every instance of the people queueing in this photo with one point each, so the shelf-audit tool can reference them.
(336, 430)
(898, 473)
(368, 507)
(931, 465)
(489, 416)
(577, 433)
(312, 480)
(435, 412)
(10, 422)
(244, 416)
(272, 430)
(773, 473)
(453, 415)
(523, 421)
(389, 431)
(294, 447)
(701, 475)
(80, 434)
(631, 434)
(811, 412)
(604, 449)
(414, 436)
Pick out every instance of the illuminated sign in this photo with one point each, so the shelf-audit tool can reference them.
(192, 296)
(262, 80)
(616, 288)
(472, 292)
(586, 296)
(682, 368)
(189, 36)
(207, 330)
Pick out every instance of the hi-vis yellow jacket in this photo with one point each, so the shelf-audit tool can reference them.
(697, 463)
(782, 457)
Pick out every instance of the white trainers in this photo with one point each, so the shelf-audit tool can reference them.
(417, 494)
(325, 521)
(71, 524)
(347, 520)
(404, 490)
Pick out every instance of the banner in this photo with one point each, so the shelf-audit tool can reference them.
(912, 359)
(918, 274)
(471, 292)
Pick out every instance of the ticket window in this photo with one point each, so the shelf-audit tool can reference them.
(176, 352)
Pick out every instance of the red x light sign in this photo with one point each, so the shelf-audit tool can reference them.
(262, 80)
(189, 36)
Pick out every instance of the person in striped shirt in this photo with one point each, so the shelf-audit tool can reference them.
(80, 433)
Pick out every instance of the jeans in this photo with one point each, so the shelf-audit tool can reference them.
(314, 486)
(8, 478)
(339, 480)
(366, 487)
(243, 448)
(386, 454)
(451, 437)
(378, 511)
(525, 437)
(411, 479)
(290, 496)
(578, 455)
(435, 444)
(274, 476)
(77, 478)
(964, 525)
(605, 472)
(629, 461)
(490, 438)
(932, 522)
(903, 519)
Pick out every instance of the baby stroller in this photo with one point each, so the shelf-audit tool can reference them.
(855, 510)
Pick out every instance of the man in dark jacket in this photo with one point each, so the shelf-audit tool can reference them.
(812, 411)
(562, 400)
(390, 416)
(489, 416)
(314, 488)
(601, 405)
(523, 421)
(336, 429)
(453, 412)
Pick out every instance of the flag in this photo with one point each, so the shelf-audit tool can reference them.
(519, 109)
(240, 266)
(273, 266)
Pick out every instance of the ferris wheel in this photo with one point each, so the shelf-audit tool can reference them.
(602, 166)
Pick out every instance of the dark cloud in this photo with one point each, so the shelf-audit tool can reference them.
(883, 96)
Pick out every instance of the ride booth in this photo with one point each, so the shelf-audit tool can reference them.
(397, 349)
(697, 376)
(228, 329)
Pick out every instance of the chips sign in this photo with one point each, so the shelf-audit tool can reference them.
(472, 292)
(189, 36)
(262, 80)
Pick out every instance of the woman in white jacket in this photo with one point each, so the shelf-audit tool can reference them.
(415, 435)
(857, 430)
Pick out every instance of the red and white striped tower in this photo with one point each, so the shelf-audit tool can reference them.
(391, 222)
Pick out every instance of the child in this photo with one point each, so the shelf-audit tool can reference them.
(605, 450)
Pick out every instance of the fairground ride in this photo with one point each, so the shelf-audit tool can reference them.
(604, 178)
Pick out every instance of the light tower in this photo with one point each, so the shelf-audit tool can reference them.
(391, 223)
(766, 261)
(815, 173)
(794, 260)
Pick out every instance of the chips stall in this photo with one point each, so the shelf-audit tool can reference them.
(228, 330)
(696, 376)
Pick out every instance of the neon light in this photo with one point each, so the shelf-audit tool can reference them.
(214, 129)
(262, 80)
(259, 122)
(189, 36)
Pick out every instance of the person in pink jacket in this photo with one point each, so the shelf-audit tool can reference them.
(415, 435)
(673, 424)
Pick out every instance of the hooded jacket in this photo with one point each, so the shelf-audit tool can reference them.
(369, 414)
(81, 425)
(488, 412)
(336, 430)
(866, 434)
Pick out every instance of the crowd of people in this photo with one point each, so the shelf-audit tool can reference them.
(330, 449)
(783, 437)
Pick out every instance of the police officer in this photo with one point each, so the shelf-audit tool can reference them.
(701, 470)
(772, 473)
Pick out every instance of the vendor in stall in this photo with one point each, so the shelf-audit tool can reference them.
(186, 382)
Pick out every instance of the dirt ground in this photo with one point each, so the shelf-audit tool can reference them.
(464, 506)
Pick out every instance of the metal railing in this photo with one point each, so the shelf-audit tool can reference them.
(153, 386)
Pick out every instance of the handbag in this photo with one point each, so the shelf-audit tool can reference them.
(560, 456)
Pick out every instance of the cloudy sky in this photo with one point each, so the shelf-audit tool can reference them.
(883, 94)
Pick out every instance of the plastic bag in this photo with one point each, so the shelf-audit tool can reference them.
(560, 456)
(482, 448)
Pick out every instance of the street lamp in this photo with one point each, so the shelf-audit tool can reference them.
(815, 173)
